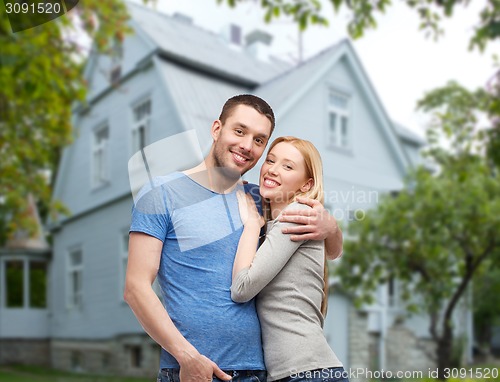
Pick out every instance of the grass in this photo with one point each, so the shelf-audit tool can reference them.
(40, 374)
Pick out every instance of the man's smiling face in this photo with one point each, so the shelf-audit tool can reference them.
(241, 140)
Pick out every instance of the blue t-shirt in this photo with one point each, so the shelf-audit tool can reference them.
(200, 230)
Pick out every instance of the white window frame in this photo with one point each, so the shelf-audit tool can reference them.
(74, 299)
(3, 278)
(100, 157)
(338, 138)
(27, 261)
(140, 123)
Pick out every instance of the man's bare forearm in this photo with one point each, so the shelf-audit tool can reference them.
(334, 244)
(155, 320)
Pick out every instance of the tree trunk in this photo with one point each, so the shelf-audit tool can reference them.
(445, 351)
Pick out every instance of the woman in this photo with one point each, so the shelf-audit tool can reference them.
(288, 276)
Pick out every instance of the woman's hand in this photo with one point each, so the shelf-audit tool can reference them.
(248, 210)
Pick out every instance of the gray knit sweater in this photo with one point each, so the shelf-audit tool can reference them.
(288, 276)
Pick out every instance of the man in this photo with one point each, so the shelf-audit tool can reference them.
(185, 229)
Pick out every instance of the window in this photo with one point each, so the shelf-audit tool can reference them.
(115, 74)
(75, 274)
(338, 133)
(135, 352)
(38, 284)
(105, 360)
(76, 361)
(100, 156)
(141, 115)
(25, 284)
(14, 270)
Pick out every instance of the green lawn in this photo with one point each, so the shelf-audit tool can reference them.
(38, 374)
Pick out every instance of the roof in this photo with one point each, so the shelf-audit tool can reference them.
(292, 86)
(197, 97)
(408, 135)
(278, 90)
(22, 240)
(190, 44)
(201, 70)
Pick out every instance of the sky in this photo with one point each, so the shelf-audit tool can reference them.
(401, 62)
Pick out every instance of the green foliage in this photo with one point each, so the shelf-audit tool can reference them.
(303, 12)
(457, 113)
(441, 230)
(40, 79)
(363, 15)
(42, 374)
(430, 237)
(486, 299)
(493, 135)
(431, 13)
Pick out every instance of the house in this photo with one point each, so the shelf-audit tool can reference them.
(172, 77)
(24, 312)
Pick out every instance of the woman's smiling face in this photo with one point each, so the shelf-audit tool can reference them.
(283, 173)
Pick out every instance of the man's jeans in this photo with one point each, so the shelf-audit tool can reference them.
(172, 375)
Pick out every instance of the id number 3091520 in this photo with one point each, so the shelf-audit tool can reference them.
(33, 8)
(475, 373)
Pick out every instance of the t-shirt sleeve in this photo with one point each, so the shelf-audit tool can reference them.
(269, 260)
(150, 214)
(254, 191)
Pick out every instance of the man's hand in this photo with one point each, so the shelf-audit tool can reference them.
(248, 210)
(315, 224)
(198, 368)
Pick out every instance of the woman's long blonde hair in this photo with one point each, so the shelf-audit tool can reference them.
(314, 170)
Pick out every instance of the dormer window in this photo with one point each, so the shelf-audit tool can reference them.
(338, 128)
(141, 113)
(115, 71)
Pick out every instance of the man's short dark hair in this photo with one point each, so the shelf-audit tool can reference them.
(249, 100)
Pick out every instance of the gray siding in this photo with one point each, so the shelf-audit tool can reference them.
(103, 314)
(135, 47)
(370, 165)
(336, 326)
(74, 184)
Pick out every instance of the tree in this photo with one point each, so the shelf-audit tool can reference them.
(442, 228)
(363, 15)
(40, 79)
(486, 299)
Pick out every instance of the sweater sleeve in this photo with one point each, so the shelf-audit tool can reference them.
(269, 260)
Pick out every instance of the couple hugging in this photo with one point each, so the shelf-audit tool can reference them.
(215, 243)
